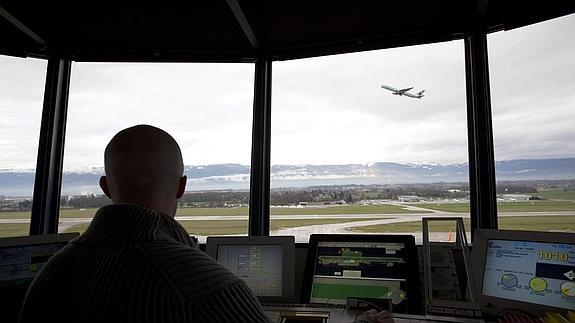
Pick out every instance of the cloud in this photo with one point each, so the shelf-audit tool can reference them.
(336, 112)
(206, 107)
(325, 110)
(21, 96)
(532, 74)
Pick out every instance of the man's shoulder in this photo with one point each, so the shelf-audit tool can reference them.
(193, 272)
(234, 303)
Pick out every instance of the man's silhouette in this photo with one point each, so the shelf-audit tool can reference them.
(135, 263)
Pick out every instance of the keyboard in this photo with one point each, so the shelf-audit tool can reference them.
(283, 305)
(339, 314)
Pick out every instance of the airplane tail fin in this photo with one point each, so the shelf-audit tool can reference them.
(420, 92)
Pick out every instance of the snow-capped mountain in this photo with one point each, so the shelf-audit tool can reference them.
(236, 176)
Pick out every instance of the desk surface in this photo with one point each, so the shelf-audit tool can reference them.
(341, 315)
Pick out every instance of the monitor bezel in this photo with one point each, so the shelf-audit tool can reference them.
(494, 305)
(288, 271)
(413, 288)
(7, 242)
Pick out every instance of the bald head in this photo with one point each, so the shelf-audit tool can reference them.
(144, 166)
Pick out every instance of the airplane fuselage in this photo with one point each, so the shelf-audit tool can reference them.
(416, 96)
(402, 92)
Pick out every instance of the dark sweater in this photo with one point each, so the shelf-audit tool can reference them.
(134, 264)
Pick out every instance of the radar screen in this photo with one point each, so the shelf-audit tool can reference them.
(372, 270)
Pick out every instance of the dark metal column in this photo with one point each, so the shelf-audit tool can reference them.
(259, 222)
(47, 184)
(483, 199)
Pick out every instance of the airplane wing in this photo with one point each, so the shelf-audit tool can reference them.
(405, 90)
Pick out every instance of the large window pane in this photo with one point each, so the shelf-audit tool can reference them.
(21, 92)
(207, 108)
(532, 72)
(349, 156)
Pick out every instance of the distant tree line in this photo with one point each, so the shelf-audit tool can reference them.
(85, 201)
(513, 188)
(349, 194)
(319, 194)
(287, 197)
(9, 205)
(215, 199)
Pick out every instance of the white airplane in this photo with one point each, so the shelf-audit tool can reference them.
(405, 92)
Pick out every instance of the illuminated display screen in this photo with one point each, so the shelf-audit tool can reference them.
(532, 272)
(20, 264)
(260, 266)
(360, 269)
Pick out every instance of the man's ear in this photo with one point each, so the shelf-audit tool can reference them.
(104, 186)
(182, 186)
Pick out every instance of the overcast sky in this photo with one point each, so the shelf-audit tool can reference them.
(326, 110)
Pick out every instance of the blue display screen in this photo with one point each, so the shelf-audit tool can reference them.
(532, 272)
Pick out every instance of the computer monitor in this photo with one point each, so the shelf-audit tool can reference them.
(368, 267)
(266, 264)
(524, 270)
(21, 258)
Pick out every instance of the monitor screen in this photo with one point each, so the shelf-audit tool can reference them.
(528, 271)
(540, 273)
(21, 258)
(260, 266)
(368, 268)
(266, 264)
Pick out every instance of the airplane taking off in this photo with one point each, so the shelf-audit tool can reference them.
(405, 92)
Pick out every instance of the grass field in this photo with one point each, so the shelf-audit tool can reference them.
(14, 229)
(527, 206)
(446, 207)
(557, 195)
(206, 228)
(562, 203)
(542, 223)
(532, 223)
(351, 209)
(347, 209)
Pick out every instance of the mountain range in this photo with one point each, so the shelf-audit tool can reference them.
(236, 176)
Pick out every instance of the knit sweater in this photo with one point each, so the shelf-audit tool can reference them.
(134, 264)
